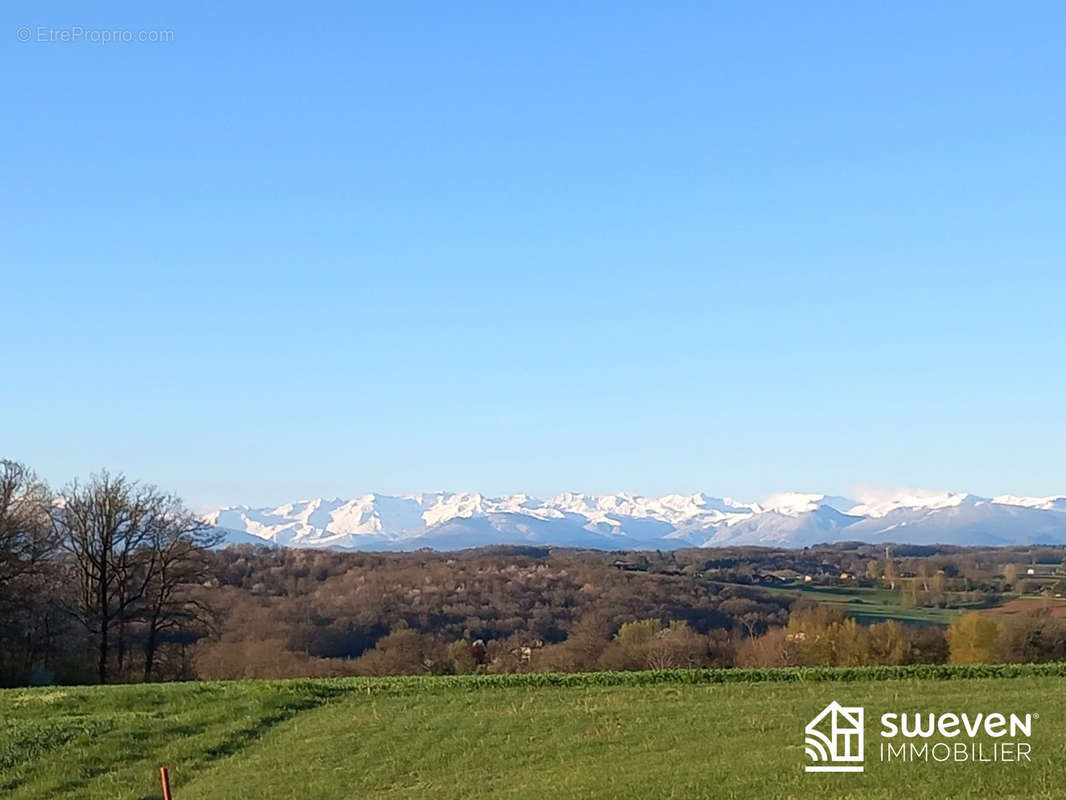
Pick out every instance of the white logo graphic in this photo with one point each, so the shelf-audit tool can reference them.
(839, 741)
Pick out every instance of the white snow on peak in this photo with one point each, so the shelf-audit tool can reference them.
(876, 504)
(1052, 503)
(791, 503)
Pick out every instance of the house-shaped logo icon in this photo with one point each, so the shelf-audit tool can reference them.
(835, 736)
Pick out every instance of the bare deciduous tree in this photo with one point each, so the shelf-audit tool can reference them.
(27, 549)
(25, 525)
(182, 564)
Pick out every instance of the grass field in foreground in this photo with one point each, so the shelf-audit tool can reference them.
(502, 739)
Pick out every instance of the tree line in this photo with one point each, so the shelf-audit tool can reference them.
(105, 567)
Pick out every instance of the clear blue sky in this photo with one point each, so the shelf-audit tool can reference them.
(341, 247)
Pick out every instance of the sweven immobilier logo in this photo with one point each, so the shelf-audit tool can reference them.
(834, 739)
(835, 736)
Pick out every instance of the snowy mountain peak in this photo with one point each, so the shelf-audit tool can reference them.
(880, 505)
(793, 503)
(1053, 503)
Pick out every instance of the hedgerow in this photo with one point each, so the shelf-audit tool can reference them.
(307, 692)
(429, 683)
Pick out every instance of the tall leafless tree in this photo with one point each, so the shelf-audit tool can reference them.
(25, 525)
(27, 548)
(172, 602)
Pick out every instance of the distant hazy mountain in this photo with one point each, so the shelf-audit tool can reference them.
(451, 521)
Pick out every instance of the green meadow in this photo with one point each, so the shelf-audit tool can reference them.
(614, 735)
(870, 605)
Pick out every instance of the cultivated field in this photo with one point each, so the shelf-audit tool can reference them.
(1053, 606)
(735, 734)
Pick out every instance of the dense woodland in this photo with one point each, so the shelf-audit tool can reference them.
(111, 581)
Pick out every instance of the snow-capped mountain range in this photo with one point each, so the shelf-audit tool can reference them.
(454, 520)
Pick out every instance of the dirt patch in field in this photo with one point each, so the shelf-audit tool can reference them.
(1056, 606)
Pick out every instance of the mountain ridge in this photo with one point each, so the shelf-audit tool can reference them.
(455, 520)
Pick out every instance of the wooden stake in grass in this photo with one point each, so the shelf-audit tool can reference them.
(164, 779)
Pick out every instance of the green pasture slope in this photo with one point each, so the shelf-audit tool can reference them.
(867, 604)
(684, 734)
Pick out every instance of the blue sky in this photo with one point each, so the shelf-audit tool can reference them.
(536, 247)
